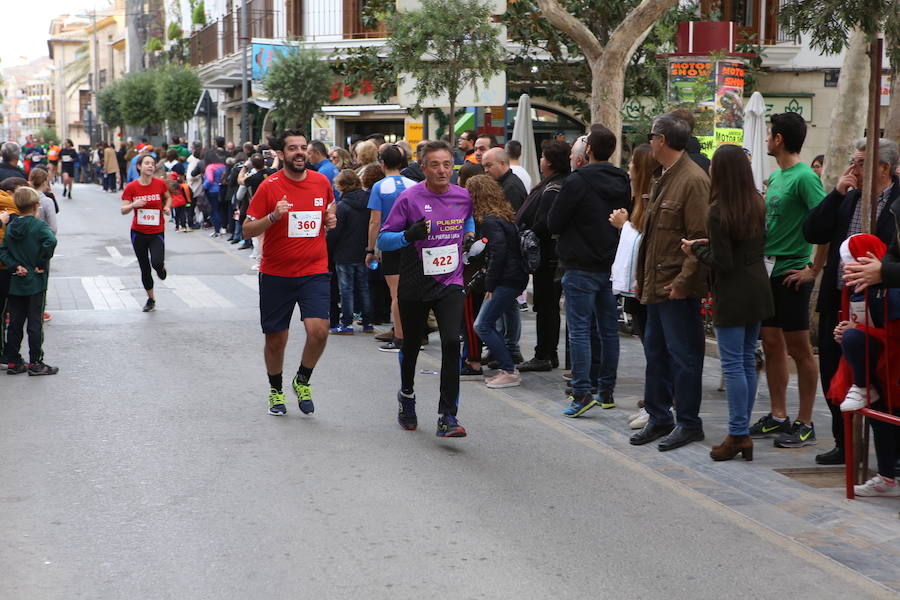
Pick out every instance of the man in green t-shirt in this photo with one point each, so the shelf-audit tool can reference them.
(793, 191)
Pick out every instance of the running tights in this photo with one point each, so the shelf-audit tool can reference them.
(150, 250)
(448, 311)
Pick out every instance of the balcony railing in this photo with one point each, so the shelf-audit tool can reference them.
(222, 37)
(336, 19)
(780, 35)
(205, 45)
(310, 20)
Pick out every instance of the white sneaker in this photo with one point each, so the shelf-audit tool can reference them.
(505, 379)
(877, 486)
(641, 420)
(856, 398)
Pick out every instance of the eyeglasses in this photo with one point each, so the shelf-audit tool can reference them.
(650, 136)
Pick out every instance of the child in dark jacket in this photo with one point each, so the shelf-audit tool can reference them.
(347, 249)
(26, 250)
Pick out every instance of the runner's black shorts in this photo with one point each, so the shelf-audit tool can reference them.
(390, 262)
(791, 305)
(278, 295)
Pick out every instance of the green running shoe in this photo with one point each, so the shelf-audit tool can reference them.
(276, 403)
(304, 395)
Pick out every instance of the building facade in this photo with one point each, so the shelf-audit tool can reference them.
(28, 105)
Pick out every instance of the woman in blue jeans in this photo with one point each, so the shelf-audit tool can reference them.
(742, 296)
(505, 272)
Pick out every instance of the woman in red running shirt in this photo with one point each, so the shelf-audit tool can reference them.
(149, 199)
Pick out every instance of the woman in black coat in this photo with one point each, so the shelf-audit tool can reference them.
(742, 296)
(505, 272)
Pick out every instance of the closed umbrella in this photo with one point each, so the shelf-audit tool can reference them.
(523, 132)
(755, 138)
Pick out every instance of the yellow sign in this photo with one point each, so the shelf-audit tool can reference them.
(729, 136)
(413, 134)
(707, 144)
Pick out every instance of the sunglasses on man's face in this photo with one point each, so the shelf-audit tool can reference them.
(650, 136)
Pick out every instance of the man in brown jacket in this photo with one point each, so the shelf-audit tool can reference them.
(671, 285)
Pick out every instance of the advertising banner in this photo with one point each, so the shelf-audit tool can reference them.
(714, 90)
(262, 57)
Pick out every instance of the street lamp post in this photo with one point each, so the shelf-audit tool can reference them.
(244, 43)
(95, 77)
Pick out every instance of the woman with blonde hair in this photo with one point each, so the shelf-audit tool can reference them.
(341, 158)
(505, 272)
(366, 154)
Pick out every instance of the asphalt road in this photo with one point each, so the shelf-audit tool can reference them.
(149, 467)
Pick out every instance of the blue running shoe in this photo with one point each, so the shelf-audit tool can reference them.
(579, 406)
(276, 403)
(406, 416)
(448, 426)
(304, 395)
(341, 330)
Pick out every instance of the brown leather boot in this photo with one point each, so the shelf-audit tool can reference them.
(732, 446)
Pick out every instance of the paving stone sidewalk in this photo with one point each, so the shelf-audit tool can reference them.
(863, 534)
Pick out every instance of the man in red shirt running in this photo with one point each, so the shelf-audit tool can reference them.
(293, 207)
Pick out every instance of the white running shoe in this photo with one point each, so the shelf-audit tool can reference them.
(856, 398)
(877, 486)
(641, 420)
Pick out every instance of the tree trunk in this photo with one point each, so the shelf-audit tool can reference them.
(608, 63)
(849, 110)
(607, 97)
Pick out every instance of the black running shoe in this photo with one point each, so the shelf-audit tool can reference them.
(448, 426)
(406, 416)
(468, 372)
(767, 426)
(40, 368)
(150, 306)
(835, 456)
(536, 364)
(392, 346)
(16, 368)
(801, 435)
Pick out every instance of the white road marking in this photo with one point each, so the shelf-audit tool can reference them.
(115, 257)
(195, 293)
(251, 281)
(108, 293)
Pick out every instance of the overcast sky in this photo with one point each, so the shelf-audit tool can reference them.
(26, 35)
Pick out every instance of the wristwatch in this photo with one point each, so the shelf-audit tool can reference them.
(369, 251)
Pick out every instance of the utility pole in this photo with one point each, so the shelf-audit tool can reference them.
(96, 77)
(243, 43)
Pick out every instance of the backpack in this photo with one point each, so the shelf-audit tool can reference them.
(530, 247)
(213, 177)
(530, 243)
